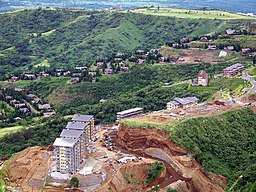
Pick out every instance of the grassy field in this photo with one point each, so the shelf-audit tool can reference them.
(192, 14)
(23, 83)
(44, 63)
(252, 72)
(9, 130)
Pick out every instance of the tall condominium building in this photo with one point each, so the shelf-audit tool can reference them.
(67, 154)
(85, 119)
(70, 149)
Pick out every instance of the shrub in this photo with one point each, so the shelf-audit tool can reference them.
(74, 182)
(154, 171)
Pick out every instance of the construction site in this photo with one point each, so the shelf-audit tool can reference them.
(118, 157)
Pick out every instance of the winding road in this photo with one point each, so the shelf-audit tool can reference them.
(249, 78)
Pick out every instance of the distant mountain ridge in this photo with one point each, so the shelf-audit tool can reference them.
(243, 6)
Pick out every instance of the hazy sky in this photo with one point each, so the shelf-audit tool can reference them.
(230, 5)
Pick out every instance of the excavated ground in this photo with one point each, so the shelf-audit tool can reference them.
(155, 144)
(29, 168)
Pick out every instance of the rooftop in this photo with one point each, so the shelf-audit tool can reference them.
(61, 142)
(71, 133)
(75, 125)
(129, 111)
(45, 106)
(186, 100)
(203, 74)
(174, 103)
(232, 67)
(82, 118)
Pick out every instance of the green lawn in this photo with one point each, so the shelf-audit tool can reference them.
(44, 63)
(252, 72)
(23, 83)
(7, 130)
(195, 14)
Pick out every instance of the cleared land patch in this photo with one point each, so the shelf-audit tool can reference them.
(8, 130)
(195, 14)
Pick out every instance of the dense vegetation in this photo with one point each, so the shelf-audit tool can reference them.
(224, 144)
(70, 38)
(42, 133)
(6, 111)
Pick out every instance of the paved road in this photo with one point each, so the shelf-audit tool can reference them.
(249, 78)
(179, 83)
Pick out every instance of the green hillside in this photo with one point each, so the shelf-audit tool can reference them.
(66, 37)
(224, 144)
(141, 86)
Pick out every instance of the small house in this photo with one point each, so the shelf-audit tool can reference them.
(18, 90)
(15, 78)
(24, 110)
(44, 107)
(108, 71)
(124, 69)
(154, 51)
(31, 97)
(230, 48)
(140, 52)
(74, 80)
(141, 61)
(100, 64)
(212, 47)
(204, 39)
(232, 32)
(29, 77)
(66, 73)
(92, 74)
(48, 114)
(80, 68)
(246, 51)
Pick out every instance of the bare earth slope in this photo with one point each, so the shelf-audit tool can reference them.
(156, 144)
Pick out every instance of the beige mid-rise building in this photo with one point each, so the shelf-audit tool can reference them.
(67, 155)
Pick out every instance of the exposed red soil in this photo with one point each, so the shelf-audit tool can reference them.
(29, 168)
(138, 140)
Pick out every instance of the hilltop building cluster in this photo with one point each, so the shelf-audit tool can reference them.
(71, 148)
(233, 70)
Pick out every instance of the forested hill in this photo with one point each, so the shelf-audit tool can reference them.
(72, 37)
